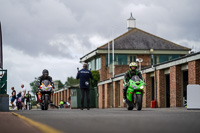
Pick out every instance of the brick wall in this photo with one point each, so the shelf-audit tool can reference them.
(175, 86)
(101, 96)
(62, 95)
(104, 71)
(121, 94)
(108, 95)
(68, 95)
(194, 72)
(56, 99)
(115, 94)
(160, 88)
(65, 95)
(146, 60)
(147, 91)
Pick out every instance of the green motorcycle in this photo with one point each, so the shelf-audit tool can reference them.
(134, 93)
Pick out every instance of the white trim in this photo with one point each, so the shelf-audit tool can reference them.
(88, 56)
(105, 82)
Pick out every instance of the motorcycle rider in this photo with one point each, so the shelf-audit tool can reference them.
(45, 76)
(129, 74)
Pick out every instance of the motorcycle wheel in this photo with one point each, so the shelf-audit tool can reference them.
(129, 105)
(42, 107)
(46, 102)
(139, 101)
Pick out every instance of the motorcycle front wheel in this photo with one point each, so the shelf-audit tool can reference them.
(139, 101)
(46, 102)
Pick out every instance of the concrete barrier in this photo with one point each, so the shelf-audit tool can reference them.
(193, 96)
(4, 102)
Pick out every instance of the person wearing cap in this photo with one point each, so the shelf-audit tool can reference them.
(85, 75)
(128, 75)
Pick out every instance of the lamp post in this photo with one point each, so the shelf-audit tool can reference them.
(140, 60)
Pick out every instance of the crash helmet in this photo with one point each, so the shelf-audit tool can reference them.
(133, 64)
(45, 72)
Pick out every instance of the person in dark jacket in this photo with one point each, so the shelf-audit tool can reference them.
(129, 74)
(85, 75)
(45, 76)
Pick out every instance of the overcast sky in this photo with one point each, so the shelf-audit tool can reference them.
(54, 34)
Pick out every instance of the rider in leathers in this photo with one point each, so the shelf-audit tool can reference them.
(129, 74)
(45, 76)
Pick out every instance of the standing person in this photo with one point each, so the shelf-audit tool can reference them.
(28, 100)
(85, 75)
(13, 97)
(23, 96)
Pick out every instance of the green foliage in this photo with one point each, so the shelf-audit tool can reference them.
(34, 86)
(71, 81)
(96, 78)
(60, 84)
(33, 102)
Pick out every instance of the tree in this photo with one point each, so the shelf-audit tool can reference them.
(96, 78)
(71, 81)
(34, 86)
(60, 84)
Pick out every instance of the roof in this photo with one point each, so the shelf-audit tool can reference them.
(137, 39)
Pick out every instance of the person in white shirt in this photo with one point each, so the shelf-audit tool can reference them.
(23, 96)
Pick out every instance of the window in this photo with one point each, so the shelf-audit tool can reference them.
(91, 65)
(131, 58)
(121, 60)
(162, 58)
(98, 63)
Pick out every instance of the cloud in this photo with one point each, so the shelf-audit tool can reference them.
(23, 68)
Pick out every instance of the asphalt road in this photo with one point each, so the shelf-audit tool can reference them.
(119, 120)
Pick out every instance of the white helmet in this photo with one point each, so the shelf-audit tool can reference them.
(133, 64)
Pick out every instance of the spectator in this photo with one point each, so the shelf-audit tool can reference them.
(28, 100)
(13, 97)
(61, 104)
(23, 96)
(85, 75)
(18, 101)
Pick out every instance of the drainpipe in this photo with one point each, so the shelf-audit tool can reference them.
(156, 84)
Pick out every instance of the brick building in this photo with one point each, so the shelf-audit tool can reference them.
(131, 45)
(166, 83)
(138, 44)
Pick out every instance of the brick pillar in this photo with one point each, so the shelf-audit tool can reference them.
(65, 95)
(147, 91)
(121, 94)
(56, 99)
(62, 95)
(194, 72)
(115, 94)
(68, 95)
(101, 96)
(160, 88)
(175, 86)
(59, 97)
(108, 95)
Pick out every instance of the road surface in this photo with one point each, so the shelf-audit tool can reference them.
(118, 120)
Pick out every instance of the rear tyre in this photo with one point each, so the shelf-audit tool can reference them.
(129, 105)
(46, 102)
(139, 101)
